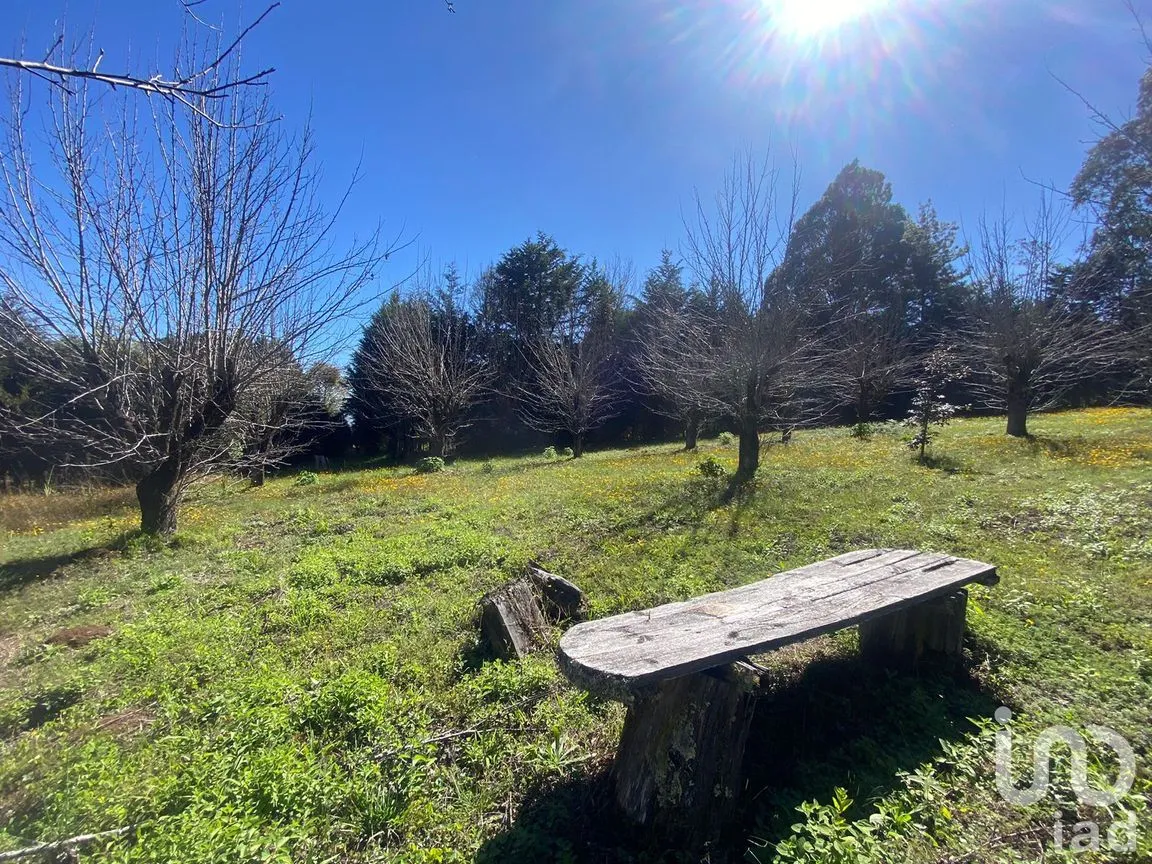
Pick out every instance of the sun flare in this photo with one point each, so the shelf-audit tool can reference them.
(809, 18)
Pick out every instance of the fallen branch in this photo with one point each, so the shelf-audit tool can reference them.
(58, 845)
(448, 736)
(997, 841)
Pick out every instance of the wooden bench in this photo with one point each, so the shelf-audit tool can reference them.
(682, 668)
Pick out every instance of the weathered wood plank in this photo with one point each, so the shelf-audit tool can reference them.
(617, 655)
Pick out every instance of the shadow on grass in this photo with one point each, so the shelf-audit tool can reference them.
(839, 723)
(943, 462)
(1064, 448)
(15, 575)
(846, 723)
(570, 820)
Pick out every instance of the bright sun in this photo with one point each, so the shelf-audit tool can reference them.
(806, 18)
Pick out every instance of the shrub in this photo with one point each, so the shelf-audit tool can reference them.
(568, 453)
(710, 467)
(487, 467)
(430, 465)
(861, 431)
(307, 478)
(727, 439)
(550, 452)
(827, 836)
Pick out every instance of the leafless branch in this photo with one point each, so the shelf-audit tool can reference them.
(747, 354)
(188, 90)
(574, 385)
(42, 849)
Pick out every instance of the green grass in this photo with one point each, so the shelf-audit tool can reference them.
(295, 677)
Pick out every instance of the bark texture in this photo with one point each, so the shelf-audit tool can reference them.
(679, 768)
(904, 639)
(749, 459)
(512, 621)
(691, 431)
(1018, 417)
(562, 599)
(159, 496)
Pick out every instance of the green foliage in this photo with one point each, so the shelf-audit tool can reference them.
(354, 705)
(550, 452)
(530, 288)
(365, 558)
(430, 465)
(1116, 275)
(826, 836)
(486, 467)
(861, 431)
(568, 453)
(711, 467)
(726, 439)
(307, 478)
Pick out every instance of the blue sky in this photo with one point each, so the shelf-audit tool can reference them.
(595, 120)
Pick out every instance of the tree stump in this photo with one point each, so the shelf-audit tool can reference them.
(564, 601)
(512, 621)
(679, 767)
(903, 639)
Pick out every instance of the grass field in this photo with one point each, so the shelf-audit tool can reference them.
(295, 677)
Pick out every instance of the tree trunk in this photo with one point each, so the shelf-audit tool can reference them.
(1017, 415)
(577, 446)
(158, 494)
(749, 449)
(863, 404)
(691, 430)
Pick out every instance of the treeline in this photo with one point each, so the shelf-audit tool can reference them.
(165, 310)
(765, 320)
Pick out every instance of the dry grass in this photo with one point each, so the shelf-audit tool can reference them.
(35, 512)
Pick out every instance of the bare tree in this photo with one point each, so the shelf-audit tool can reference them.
(1025, 344)
(168, 280)
(872, 358)
(665, 309)
(421, 355)
(753, 358)
(574, 383)
(281, 417)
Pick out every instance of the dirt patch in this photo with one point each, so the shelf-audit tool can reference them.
(34, 511)
(78, 637)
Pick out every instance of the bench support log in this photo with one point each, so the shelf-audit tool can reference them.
(931, 629)
(679, 765)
